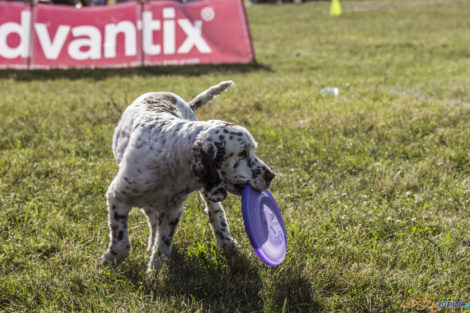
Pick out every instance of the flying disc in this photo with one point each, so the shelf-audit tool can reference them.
(264, 225)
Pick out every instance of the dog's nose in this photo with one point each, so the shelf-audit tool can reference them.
(268, 176)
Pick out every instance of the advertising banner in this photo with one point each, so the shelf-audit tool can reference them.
(101, 36)
(208, 31)
(124, 35)
(15, 30)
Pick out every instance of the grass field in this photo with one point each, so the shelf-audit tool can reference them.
(374, 184)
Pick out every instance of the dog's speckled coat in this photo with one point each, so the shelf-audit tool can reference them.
(164, 154)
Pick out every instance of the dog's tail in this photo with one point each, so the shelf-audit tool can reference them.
(209, 94)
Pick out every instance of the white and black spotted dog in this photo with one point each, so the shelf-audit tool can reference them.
(164, 154)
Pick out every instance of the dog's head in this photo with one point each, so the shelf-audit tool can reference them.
(224, 160)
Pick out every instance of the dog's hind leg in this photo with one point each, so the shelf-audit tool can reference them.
(152, 218)
(163, 238)
(119, 246)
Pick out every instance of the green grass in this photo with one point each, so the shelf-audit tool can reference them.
(374, 185)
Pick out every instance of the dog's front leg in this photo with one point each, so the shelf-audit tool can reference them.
(167, 222)
(219, 224)
(119, 246)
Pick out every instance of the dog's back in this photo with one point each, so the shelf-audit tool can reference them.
(153, 108)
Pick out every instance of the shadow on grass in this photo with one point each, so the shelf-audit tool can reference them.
(102, 73)
(293, 291)
(233, 285)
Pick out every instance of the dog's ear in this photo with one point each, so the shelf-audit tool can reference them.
(207, 166)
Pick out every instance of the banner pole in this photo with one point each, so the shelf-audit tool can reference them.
(247, 25)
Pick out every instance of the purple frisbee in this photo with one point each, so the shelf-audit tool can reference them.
(264, 225)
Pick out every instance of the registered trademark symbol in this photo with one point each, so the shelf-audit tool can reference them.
(207, 14)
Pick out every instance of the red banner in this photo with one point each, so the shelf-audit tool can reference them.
(209, 31)
(15, 30)
(128, 34)
(90, 37)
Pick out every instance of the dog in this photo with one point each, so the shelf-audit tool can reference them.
(164, 154)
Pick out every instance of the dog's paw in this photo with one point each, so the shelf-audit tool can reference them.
(158, 271)
(157, 263)
(227, 243)
(111, 257)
